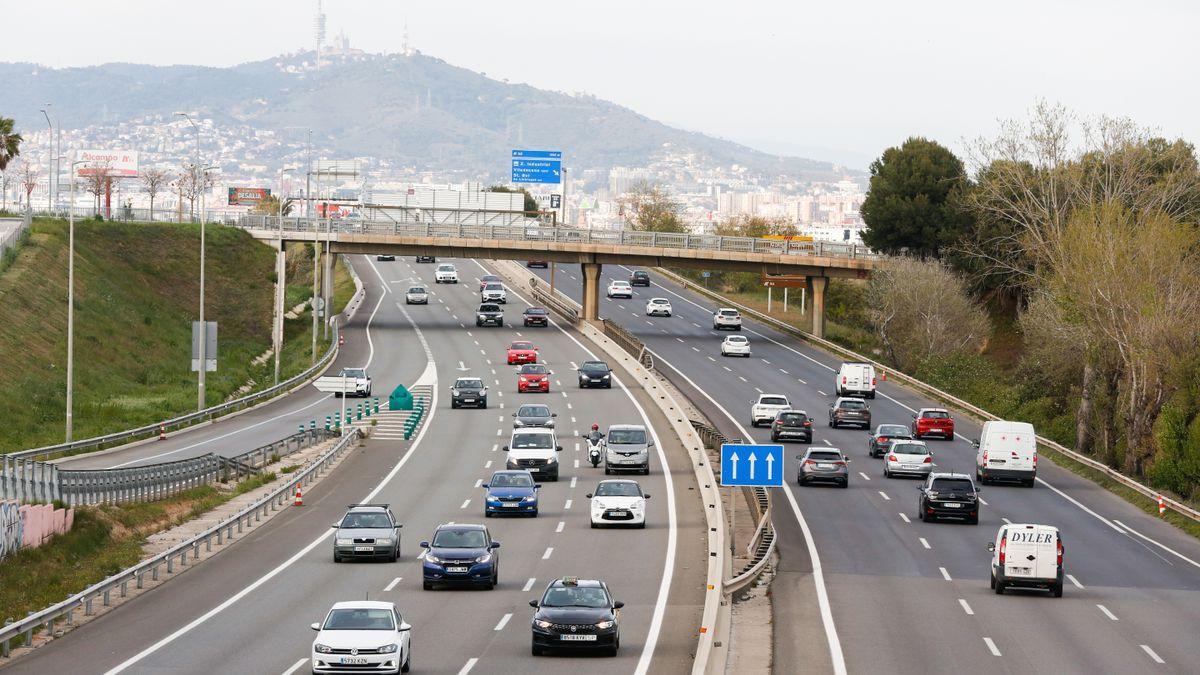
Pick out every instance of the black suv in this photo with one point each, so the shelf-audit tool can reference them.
(426, 259)
(847, 410)
(949, 495)
(489, 313)
(468, 391)
(792, 424)
(595, 374)
(536, 316)
(576, 614)
(883, 436)
(639, 278)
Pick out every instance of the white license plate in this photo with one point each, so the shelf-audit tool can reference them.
(468, 400)
(533, 469)
(510, 506)
(824, 466)
(578, 638)
(953, 505)
(910, 466)
(458, 569)
(618, 513)
(364, 548)
(354, 660)
(1020, 571)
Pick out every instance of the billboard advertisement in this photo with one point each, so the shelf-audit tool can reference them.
(247, 196)
(117, 163)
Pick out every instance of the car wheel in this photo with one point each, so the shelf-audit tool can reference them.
(487, 514)
(427, 585)
(885, 472)
(992, 581)
(846, 483)
(407, 661)
(535, 513)
(641, 525)
(453, 405)
(484, 404)
(535, 650)
(646, 471)
(608, 386)
(999, 588)
(595, 526)
(607, 471)
(337, 558)
(973, 521)
(774, 438)
(1056, 590)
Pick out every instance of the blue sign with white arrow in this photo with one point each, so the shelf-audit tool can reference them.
(754, 465)
(537, 166)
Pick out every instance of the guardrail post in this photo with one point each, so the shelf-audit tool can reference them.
(106, 597)
(138, 580)
(87, 606)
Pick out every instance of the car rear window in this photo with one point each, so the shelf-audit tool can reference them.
(729, 312)
(735, 338)
(910, 449)
(952, 485)
(660, 301)
(773, 400)
(894, 430)
(793, 419)
(853, 404)
(935, 415)
(825, 455)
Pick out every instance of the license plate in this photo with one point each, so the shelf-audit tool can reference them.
(364, 548)
(458, 569)
(468, 400)
(618, 512)
(909, 466)
(510, 506)
(354, 660)
(532, 469)
(1020, 571)
(578, 638)
(824, 466)
(953, 505)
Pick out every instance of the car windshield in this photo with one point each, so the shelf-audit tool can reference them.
(493, 286)
(793, 418)
(521, 345)
(468, 384)
(773, 400)
(510, 480)
(534, 369)
(489, 308)
(417, 289)
(445, 268)
(594, 367)
(575, 596)
(353, 372)
(618, 489)
(532, 442)
(626, 436)
(360, 619)
(533, 411)
(910, 449)
(952, 485)
(936, 415)
(825, 455)
(535, 310)
(893, 430)
(460, 539)
(852, 404)
(366, 520)
(729, 312)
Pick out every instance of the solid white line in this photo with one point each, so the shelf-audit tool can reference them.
(904, 518)
(467, 668)
(549, 551)
(1108, 613)
(1150, 652)
(925, 543)
(884, 495)
(945, 574)
(991, 646)
(966, 607)
(1074, 581)
(528, 585)
(391, 585)
(503, 621)
(295, 666)
(561, 525)
(1165, 548)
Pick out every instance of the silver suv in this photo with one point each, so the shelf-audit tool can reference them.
(627, 448)
(367, 531)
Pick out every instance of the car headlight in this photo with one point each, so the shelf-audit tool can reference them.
(531, 498)
(345, 542)
(524, 379)
(484, 558)
(454, 392)
(383, 541)
(552, 460)
(429, 557)
(542, 624)
(639, 505)
(322, 649)
(492, 499)
(605, 377)
(584, 377)
(604, 625)
(518, 423)
(389, 649)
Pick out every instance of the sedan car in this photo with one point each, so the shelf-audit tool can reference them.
(416, 295)
(363, 636)
(907, 458)
(534, 415)
(426, 259)
(658, 307)
(511, 492)
(827, 465)
(792, 425)
(883, 437)
(385, 257)
(576, 614)
(535, 316)
(463, 554)
(847, 410)
(618, 502)
(933, 422)
(533, 377)
(522, 351)
(367, 531)
(735, 345)
(488, 279)
(595, 374)
(948, 495)
(619, 289)
(468, 391)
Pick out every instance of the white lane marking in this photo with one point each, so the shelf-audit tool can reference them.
(801, 381)
(548, 553)
(783, 371)
(465, 503)
(573, 422)
(1074, 581)
(488, 464)
(568, 504)
(503, 621)
(945, 574)
(712, 359)
(391, 585)
(495, 447)
(561, 525)
(677, 339)
(991, 646)
(884, 495)
(966, 607)
(478, 482)
(576, 446)
(576, 464)
(467, 668)
(925, 543)
(864, 476)
(766, 362)
(758, 389)
(904, 518)
(981, 501)
(421, 555)
(696, 349)
(568, 405)
(1108, 613)
(499, 432)
(822, 393)
(295, 666)
(1006, 521)
(729, 369)
(742, 378)
(1163, 547)
(1151, 654)
(529, 584)
(574, 478)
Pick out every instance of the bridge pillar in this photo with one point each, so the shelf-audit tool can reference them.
(591, 291)
(817, 285)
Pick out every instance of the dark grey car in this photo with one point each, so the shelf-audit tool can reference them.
(367, 531)
(850, 411)
(534, 415)
(823, 465)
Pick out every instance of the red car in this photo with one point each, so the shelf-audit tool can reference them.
(522, 352)
(533, 377)
(933, 422)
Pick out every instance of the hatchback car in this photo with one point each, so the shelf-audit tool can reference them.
(595, 374)
(416, 295)
(883, 437)
(535, 316)
(735, 345)
(948, 495)
(618, 502)
(511, 492)
(908, 458)
(823, 465)
(461, 554)
(933, 422)
(534, 415)
(362, 636)
(792, 425)
(576, 614)
(468, 391)
(488, 279)
(639, 278)
(367, 531)
(850, 411)
(522, 351)
(620, 289)
(658, 307)
(533, 377)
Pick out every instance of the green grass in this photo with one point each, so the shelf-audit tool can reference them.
(254, 482)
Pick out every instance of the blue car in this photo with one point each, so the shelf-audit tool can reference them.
(461, 554)
(511, 492)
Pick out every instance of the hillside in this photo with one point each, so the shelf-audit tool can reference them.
(135, 298)
(410, 110)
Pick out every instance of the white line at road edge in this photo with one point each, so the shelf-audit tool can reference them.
(664, 588)
(133, 660)
(818, 574)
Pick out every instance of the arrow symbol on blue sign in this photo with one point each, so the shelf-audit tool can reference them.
(733, 460)
(753, 459)
(770, 466)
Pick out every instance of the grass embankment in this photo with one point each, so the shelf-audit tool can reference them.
(136, 293)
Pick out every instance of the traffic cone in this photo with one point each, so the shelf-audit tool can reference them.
(162, 432)
(299, 499)
(1162, 506)
(341, 340)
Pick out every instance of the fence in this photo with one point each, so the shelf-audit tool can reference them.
(11, 232)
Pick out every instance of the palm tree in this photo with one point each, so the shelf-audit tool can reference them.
(10, 143)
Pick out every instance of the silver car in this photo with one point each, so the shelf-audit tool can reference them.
(823, 465)
(627, 448)
(416, 295)
(907, 458)
(367, 531)
(534, 415)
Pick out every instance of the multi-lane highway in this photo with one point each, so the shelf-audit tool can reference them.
(248, 609)
(863, 585)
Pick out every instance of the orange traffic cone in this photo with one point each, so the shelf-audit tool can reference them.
(299, 499)
(1162, 506)
(341, 340)
(162, 432)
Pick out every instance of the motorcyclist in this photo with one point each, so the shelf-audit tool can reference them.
(596, 436)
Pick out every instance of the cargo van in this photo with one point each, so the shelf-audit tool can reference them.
(1006, 451)
(855, 379)
(1027, 556)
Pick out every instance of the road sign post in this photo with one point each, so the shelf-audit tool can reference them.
(751, 465)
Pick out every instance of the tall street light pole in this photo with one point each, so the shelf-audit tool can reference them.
(200, 398)
(71, 310)
(281, 270)
(53, 159)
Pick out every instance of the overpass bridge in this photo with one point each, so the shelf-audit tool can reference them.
(817, 262)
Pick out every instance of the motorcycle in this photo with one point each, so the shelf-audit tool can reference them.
(594, 453)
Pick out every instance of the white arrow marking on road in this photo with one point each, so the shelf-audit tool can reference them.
(733, 460)
(770, 466)
(752, 460)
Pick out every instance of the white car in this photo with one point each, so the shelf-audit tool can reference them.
(726, 318)
(416, 295)
(658, 307)
(736, 345)
(493, 291)
(1027, 555)
(356, 382)
(362, 635)
(907, 458)
(446, 274)
(765, 408)
(620, 289)
(618, 502)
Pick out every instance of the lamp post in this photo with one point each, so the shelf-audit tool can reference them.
(53, 158)
(71, 309)
(200, 398)
(279, 283)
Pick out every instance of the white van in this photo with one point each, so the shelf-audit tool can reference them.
(1006, 451)
(855, 379)
(534, 450)
(1027, 556)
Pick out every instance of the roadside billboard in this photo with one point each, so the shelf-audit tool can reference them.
(247, 196)
(118, 163)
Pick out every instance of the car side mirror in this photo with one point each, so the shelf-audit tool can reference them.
(495, 544)
(554, 414)
(975, 443)
(537, 486)
(483, 485)
(334, 526)
(558, 448)
(505, 448)
(991, 549)
(798, 458)
(533, 604)
(645, 496)
(914, 416)
(405, 627)
(618, 604)
(588, 495)
(650, 443)
(315, 626)
(514, 414)
(424, 544)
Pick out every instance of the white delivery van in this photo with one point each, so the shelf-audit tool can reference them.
(1027, 556)
(534, 450)
(1006, 451)
(855, 379)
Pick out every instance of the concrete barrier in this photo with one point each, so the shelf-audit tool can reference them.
(31, 525)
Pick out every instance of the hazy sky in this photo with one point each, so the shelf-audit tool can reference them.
(838, 80)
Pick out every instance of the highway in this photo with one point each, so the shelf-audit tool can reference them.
(248, 609)
(863, 586)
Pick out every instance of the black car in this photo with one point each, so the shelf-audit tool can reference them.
(489, 313)
(595, 374)
(426, 258)
(949, 495)
(883, 436)
(468, 391)
(385, 257)
(536, 316)
(850, 411)
(537, 263)
(639, 278)
(792, 425)
(576, 614)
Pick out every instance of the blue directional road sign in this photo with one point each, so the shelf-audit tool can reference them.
(536, 166)
(755, 465)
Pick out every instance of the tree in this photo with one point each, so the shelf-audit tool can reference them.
(97, 181)
(915, 200)
(269, 206)
(153, 181)
(5, 183)
(757, 226)
(531, 205)
(10, 142)
(29, 180)
(649, 208)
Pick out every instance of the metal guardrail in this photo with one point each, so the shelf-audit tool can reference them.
(228, 529)
(11, 238)
(934, 392)
(541, 293)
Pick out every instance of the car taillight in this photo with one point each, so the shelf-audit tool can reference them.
(1060, 552)
(808, 424)
(928, 460)
(872, 382)
(985, 452)
(778, 423)
(809, 461)
(843, 379)
(1035, 460)
(840, 463)
(1014, 455)
(1003, 547)
(891, 458)
(881, 439)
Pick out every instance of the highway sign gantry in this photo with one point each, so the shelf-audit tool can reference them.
(752, 465)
